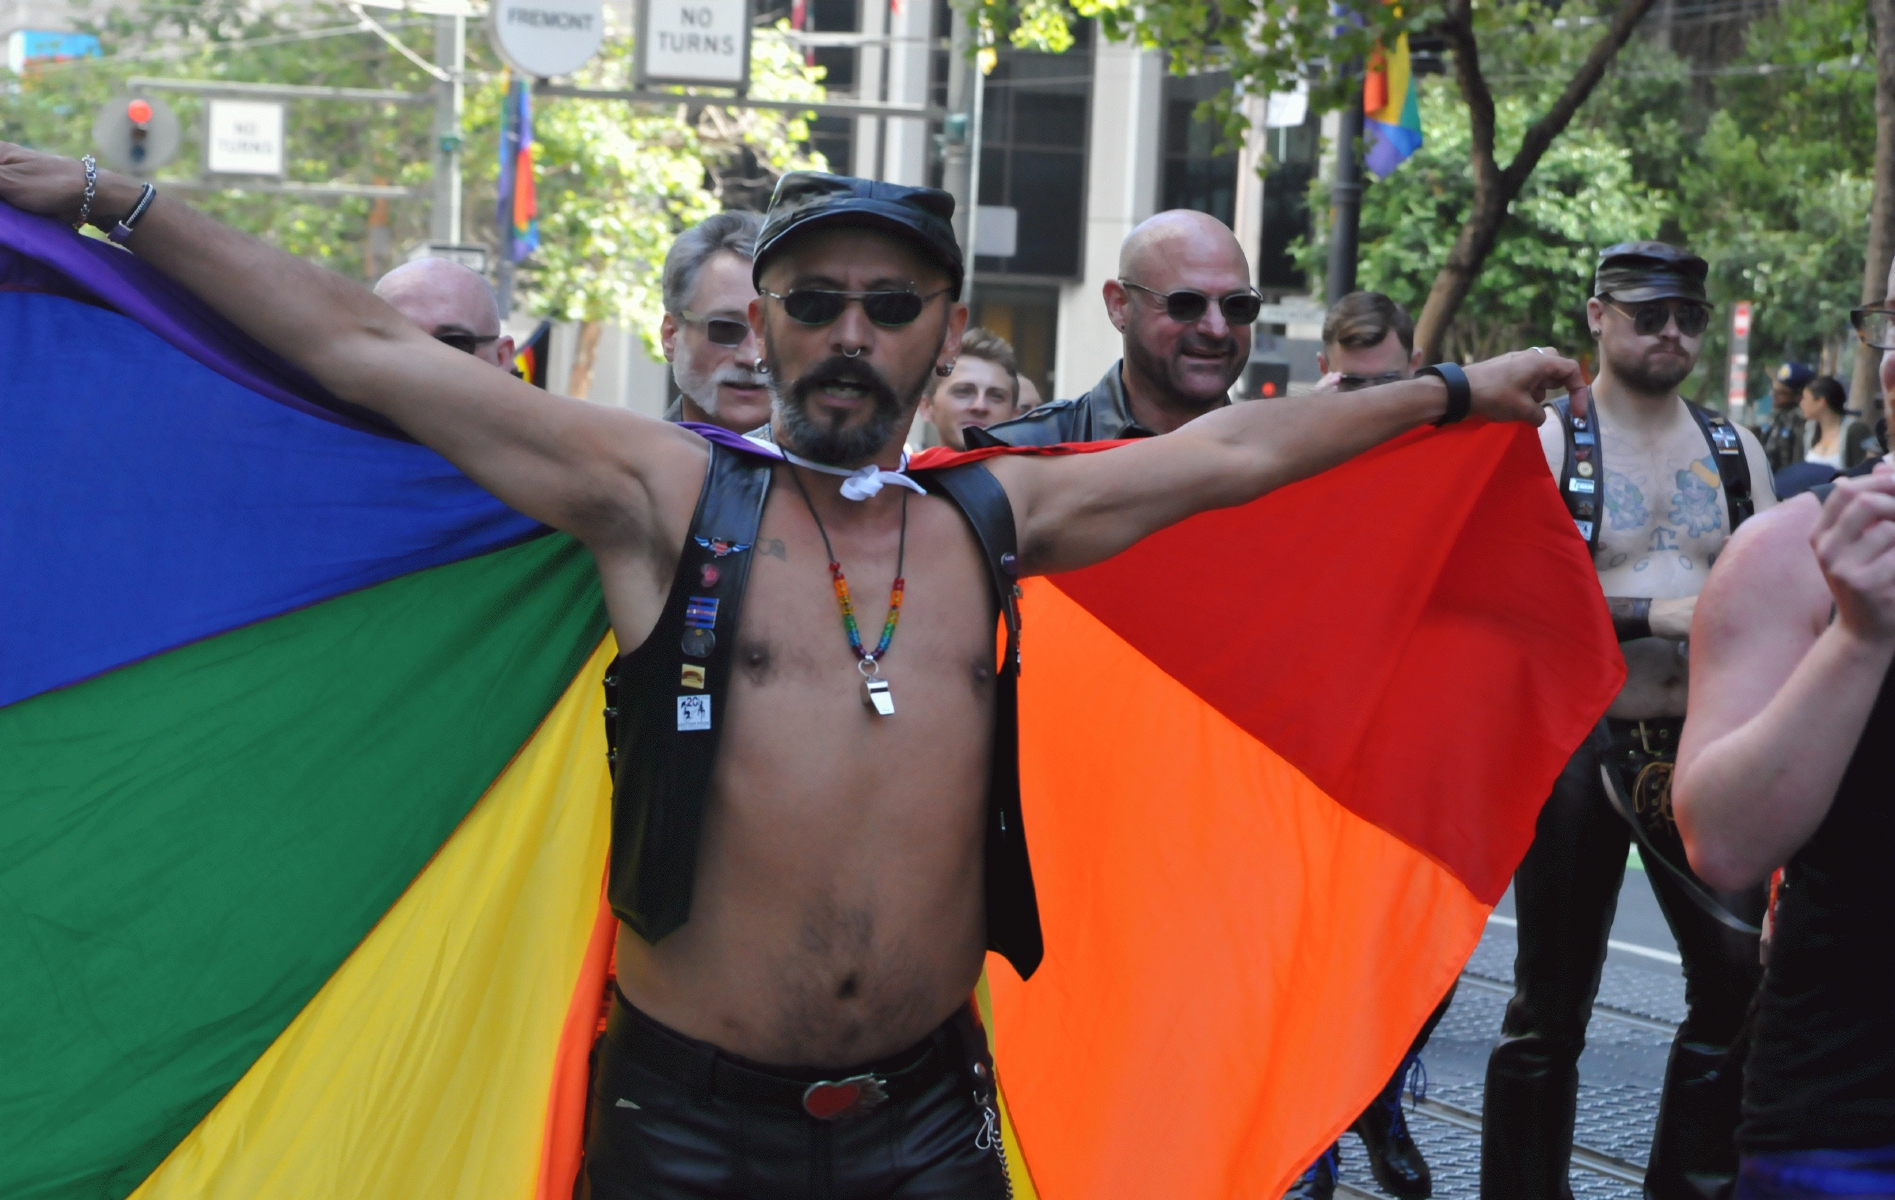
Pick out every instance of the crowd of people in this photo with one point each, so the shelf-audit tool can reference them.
(1747, 758)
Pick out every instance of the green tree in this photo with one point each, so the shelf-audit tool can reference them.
(1532, 288)
(52, 107)
(618, 182)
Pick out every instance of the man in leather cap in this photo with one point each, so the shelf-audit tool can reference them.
(797, 952)
(1782, 432)
(1184, 302)
(1656, 488)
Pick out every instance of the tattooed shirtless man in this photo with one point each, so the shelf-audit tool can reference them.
(1655, 487)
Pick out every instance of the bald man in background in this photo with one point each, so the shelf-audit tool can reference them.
(1184, 302)
(452, 304)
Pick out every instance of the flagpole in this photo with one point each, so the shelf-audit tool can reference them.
(1345, 201)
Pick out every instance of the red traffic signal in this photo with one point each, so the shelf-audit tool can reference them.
(139, 111)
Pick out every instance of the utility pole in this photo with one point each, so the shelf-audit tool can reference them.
(1345, 201)
(960, 133)
(450, 54)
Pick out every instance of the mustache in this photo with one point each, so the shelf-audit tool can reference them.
(1224, 346)
(851, 372)
(742, 376)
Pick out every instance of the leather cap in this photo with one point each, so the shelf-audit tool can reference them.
(1636, 271)
(806, 201)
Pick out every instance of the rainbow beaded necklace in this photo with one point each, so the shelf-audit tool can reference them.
(869, 662)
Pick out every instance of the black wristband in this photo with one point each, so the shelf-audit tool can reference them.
(1631, 617)
(1460, 396)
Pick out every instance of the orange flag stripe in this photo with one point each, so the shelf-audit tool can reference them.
(1217, 1056)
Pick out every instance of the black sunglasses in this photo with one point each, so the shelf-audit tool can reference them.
(1355, 383)
(719, 331)
(1650, 318)
(466, 343)
(819, 306)
(1875, 326)
(1188, 307)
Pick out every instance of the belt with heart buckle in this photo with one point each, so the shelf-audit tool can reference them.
(832, 1100)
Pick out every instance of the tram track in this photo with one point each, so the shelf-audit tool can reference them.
(1584, 1157)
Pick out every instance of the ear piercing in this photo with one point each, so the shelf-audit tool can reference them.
(944, 369)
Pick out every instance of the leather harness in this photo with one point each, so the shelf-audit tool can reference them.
(1584, 493)
(669, 730)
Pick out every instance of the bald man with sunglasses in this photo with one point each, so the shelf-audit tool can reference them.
(452, 304)
(1656, 487)
(806, 874)
(1184, 303)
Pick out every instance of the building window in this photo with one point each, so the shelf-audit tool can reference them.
(1293, 154)
(1036, 111)
(1200, 167)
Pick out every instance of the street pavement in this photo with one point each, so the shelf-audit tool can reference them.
(1641, 998)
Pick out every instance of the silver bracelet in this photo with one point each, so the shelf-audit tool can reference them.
(92, 186)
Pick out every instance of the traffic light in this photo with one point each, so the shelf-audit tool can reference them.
(1266, 380)
(138, 112)
(136, 134)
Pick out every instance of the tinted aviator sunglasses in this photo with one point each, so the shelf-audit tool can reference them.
(819, 306)
(719, 331)
(466, 343)
(1188, 307)
(1650, 318)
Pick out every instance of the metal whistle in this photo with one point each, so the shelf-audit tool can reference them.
(875, 695)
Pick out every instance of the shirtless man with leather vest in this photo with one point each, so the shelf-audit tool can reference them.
(837, 925)
(1656, 489)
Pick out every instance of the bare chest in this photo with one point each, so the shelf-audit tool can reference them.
(1666, 518)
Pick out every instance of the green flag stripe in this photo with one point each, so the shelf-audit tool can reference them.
(190, 846)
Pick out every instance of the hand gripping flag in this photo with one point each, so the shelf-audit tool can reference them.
(305, 812)
(1391, 121)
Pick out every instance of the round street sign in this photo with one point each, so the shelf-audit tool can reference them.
(544, 38)
(136, 134)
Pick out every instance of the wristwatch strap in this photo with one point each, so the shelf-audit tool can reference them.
(1460, 395)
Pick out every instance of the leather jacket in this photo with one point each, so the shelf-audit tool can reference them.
(1101, 415)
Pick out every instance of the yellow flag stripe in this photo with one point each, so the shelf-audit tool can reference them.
(424, 1065)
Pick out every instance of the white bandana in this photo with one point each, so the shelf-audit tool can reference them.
(857, 484)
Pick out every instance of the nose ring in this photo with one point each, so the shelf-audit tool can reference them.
(856, 353)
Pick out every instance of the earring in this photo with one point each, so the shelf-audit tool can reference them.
(944, 369)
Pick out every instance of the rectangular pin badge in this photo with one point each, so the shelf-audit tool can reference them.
(1582, 438)
(694, 712)
(692, 676)
(700, 612)
(1585, 529)
(1579, 485)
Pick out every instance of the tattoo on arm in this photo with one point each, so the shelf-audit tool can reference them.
(774, 548)
(1631, 616)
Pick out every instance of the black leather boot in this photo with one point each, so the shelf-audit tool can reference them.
(1393, 1156)
(1694, 1155)
(1319, 1182)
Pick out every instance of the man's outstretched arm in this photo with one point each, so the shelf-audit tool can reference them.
(580, 467)
(1078, 510)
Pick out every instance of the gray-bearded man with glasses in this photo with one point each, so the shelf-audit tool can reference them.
(706, 333)
(807, 876)
(1184, 304)
(1656, 487)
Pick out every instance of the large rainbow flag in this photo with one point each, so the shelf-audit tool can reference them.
(304, 811)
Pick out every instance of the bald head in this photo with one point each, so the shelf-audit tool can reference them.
(1176, 367)
(448, 300)
(1180, 235)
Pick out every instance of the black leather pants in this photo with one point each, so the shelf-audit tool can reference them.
(1565, 893)
(673, 1118)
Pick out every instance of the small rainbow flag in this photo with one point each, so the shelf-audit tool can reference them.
(518, 210)
(1391, 121)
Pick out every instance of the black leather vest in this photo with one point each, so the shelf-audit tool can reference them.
(666, 703)
(1584, 491)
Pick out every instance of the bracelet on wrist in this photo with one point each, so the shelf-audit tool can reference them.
(1631, 617)
(127, 224)
(1460, 395)
(91, 166)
